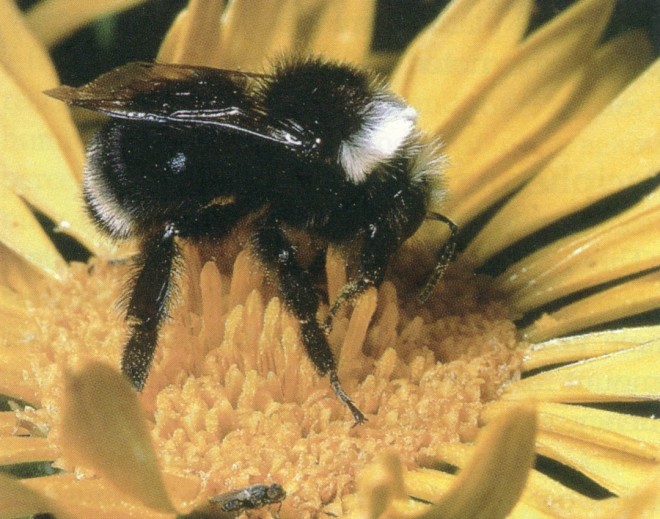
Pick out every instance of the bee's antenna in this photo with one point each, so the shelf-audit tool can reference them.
(445, 256)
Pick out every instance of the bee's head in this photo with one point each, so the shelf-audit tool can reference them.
(357, 123)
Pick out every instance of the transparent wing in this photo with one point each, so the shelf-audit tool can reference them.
(183, 95)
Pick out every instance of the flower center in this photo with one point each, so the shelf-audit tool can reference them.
(232, 395)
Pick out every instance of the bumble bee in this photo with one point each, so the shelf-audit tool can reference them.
(190, 152)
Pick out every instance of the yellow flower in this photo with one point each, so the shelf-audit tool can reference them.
(555, 122)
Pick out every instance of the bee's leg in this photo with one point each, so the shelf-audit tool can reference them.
(349, 292)
(379, 245)
(147, 306)
(297, 289)
(444, 257)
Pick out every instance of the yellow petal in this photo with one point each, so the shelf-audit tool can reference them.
(619, 148)
(624, 245)
(617, 471)
(88, 498)
(20, 231)
(7, 423)
(643, 504)
(194, 37)
(615, 450)
(488, 485)
(458, 52)
(11, 304)
(18, 279)
(42, 154)
(633, 297)
(29, 64)
(14, 364)
(12, 319)
(491, 483)
(184, 491)
(344, 30)
(54, 20)
(609, 70)
(608, 73)
(428, 484)
(578, 347)
(103, 427)
(632, 435)
(286, 30)
(34, 166)
(17, 500)
(381, 483)
(630, 374)
(251, 32)
(17, 449)
(542, 498)
(13, 311)
(545, 498)
(529, 92)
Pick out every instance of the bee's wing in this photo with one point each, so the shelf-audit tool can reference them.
(182, 95)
